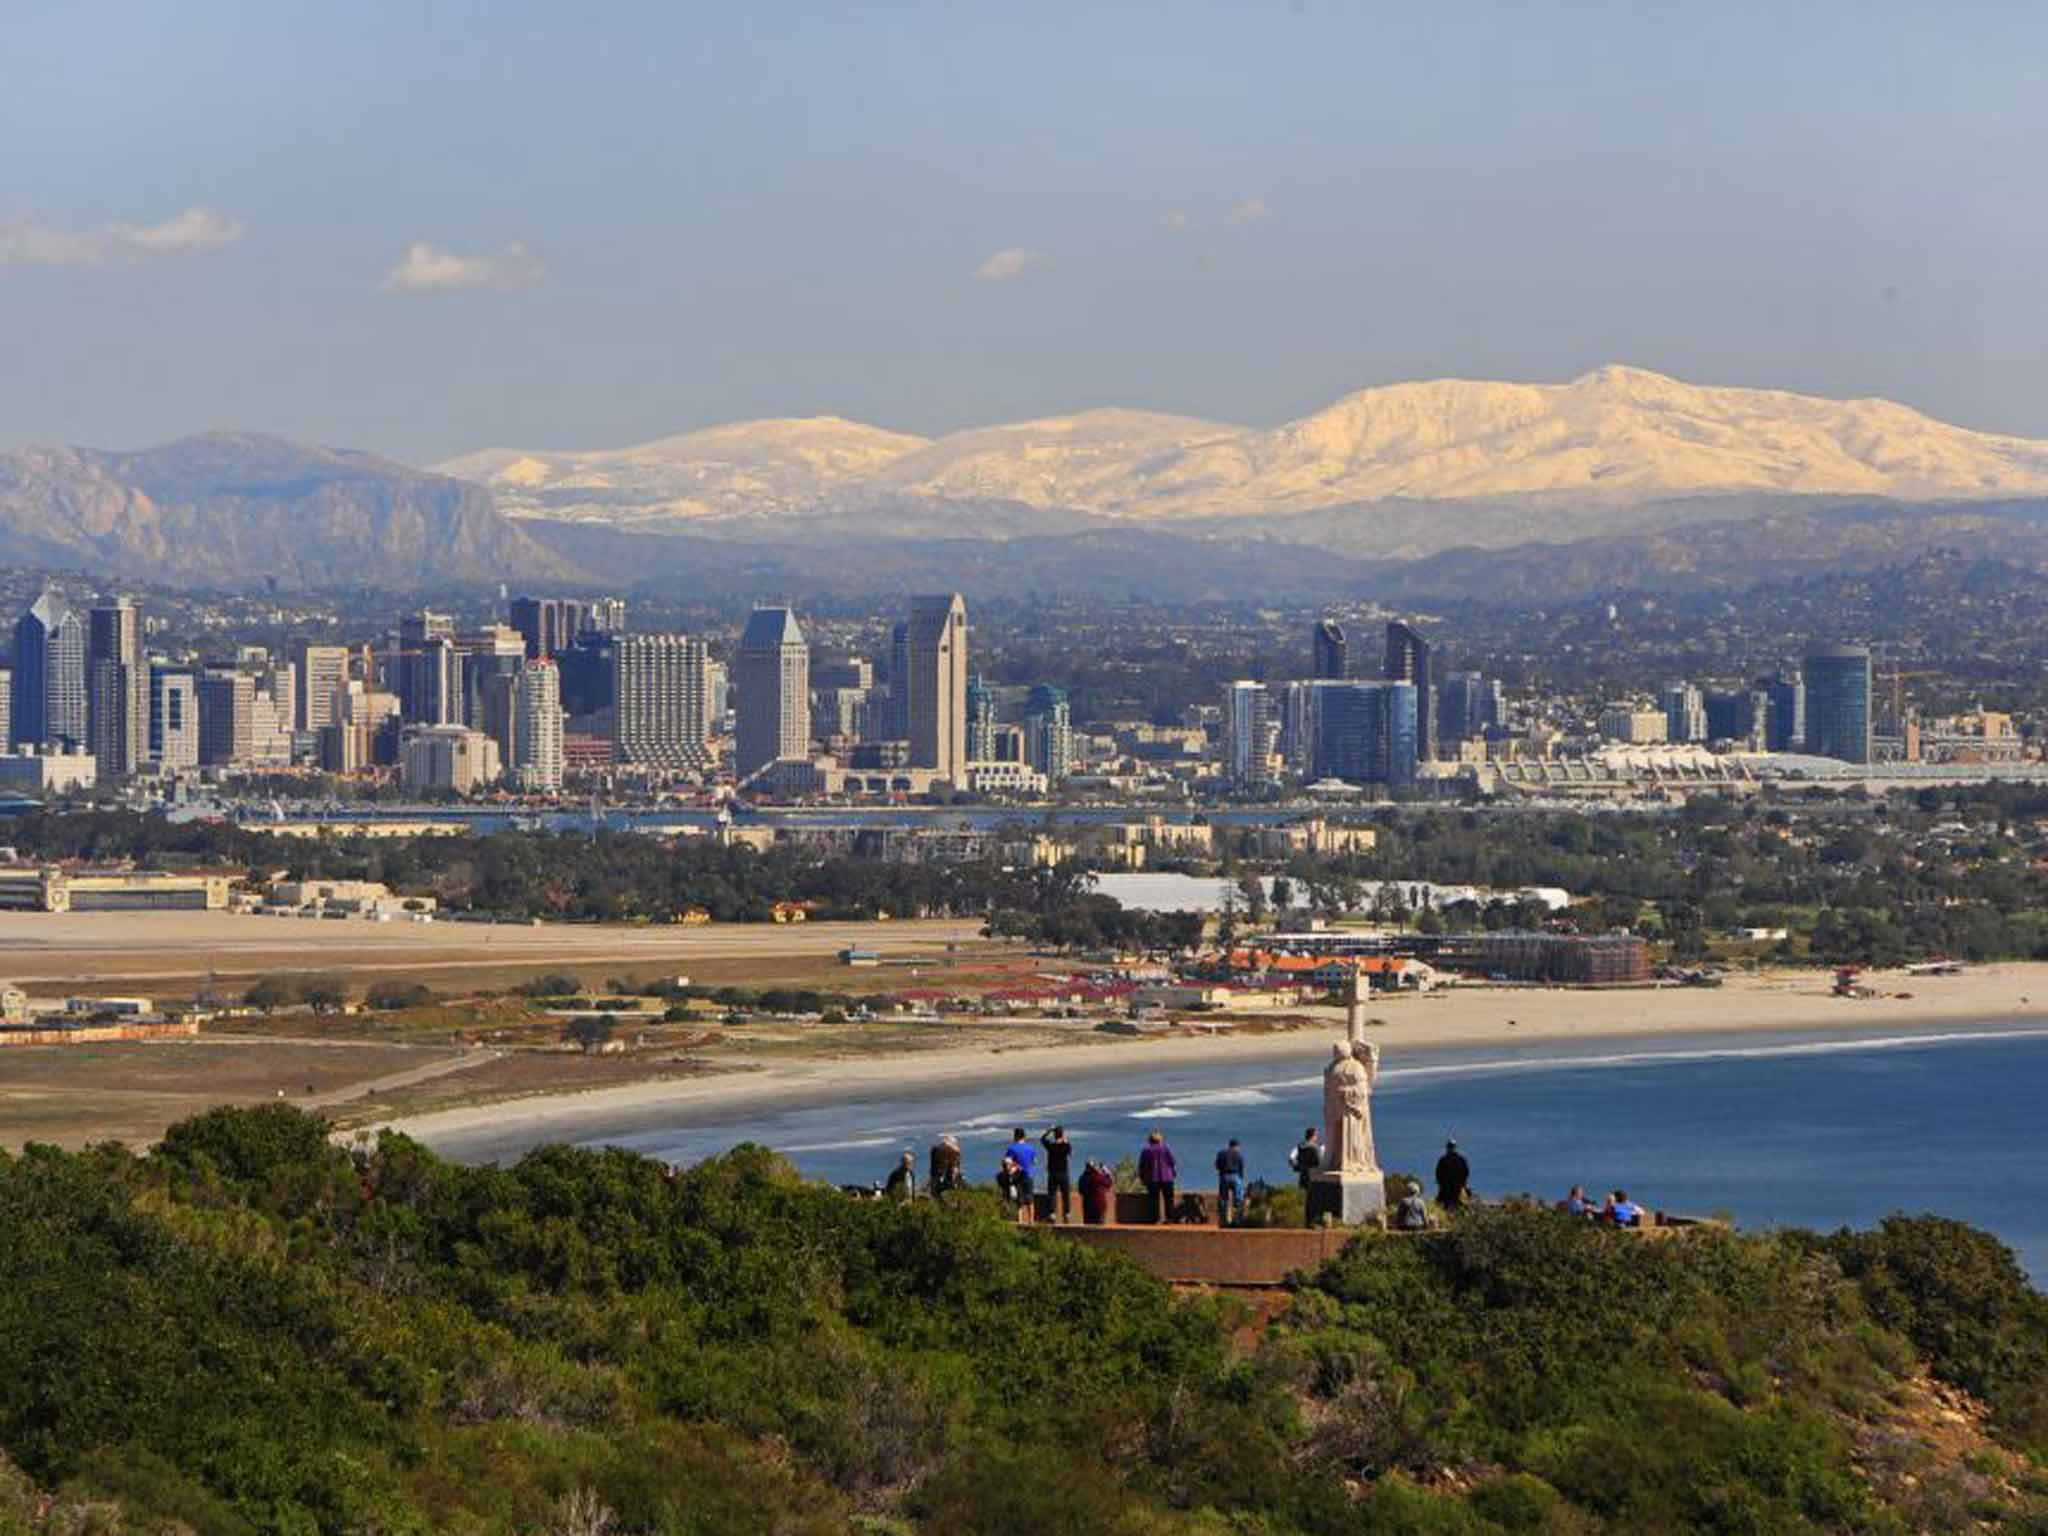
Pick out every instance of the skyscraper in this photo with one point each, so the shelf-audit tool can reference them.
(1786, 729)
(1365, 732)
(49, 675)
(1685, 712)
(1838, 702)
(1408, 662)
(772, 671)
(896, 719)
(936, 701)
(1250, 734)
(1332, 655)
(1049, 732)
(227, 716)
(173, 718)
(322, 673)
(981, 721)
(1468, 704)
(117, 689)
(662, 712)
(536, 764)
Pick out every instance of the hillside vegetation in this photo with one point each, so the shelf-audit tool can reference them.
(252, 1330)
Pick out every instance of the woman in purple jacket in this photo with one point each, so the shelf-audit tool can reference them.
(1157, 1172)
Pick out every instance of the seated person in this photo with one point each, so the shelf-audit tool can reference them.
(1624, 1212)
(1412, 1214)
(1576, 1203)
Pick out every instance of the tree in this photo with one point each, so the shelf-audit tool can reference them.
(270, 993)
(390, 996)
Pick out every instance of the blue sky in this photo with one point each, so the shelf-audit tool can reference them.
(433, 227)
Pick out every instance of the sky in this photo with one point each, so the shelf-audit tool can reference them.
(433, 227)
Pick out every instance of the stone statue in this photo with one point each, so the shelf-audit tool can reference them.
(1347, 1107)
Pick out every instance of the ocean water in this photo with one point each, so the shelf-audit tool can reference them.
(1778, 1130)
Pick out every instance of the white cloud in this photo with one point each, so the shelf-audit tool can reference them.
(1176, 219)
(29, 243)
(1010, 262)
(429, 268)
(196, 229)
(1250, 211)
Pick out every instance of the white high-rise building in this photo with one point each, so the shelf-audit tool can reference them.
(322, 673)
(662, 710)
(1250, 734)
(173, 719)
(537, 729)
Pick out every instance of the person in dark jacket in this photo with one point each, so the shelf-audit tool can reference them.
(1307, 1156)
(1230, 1184)
(1059, 1161)
(948, 1171)
(1012, 1184)
(1158, 1172)
(902, 1183)
(1453, 1178)
(1098, 1192)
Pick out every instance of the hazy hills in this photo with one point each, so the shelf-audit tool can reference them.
(1600, 452)
(229, 508)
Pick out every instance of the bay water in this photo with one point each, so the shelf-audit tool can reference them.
(1781, 1129)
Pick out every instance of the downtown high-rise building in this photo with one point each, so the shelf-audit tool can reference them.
(662, 710)
(173, 718)
(1785, 727)
(1251, 735)
(1839, 699)
(1468, 704)
(227, 717)
(322, 677)
(1685, 712)
(1408, 662)
(772, 671)
(117, 689)
(535, 763)
(981, 721)
(1049, 732)
(49, 683)
(1330, 654)
(1366, 732)
(936, 699)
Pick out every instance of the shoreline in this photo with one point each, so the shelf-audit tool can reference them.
(1542, 1024)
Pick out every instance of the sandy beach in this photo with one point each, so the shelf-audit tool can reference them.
(1474, 1017)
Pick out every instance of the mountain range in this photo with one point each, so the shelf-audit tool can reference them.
(1598, 452)
(1443, 488)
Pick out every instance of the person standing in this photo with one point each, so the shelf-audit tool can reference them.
(1158, 1172)
(1025, 1154)
(1307, 1156)
(1411, 1214)
(1453, 1178)
(947, 1171)
(1059, 1162)
(1098, 1189)
(1230, 1185)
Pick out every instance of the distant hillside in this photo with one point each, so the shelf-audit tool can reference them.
(237, 507)
(1401, 470)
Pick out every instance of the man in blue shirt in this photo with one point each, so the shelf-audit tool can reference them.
(1230, 1185)
(1625, 1212)
(1025, 1153)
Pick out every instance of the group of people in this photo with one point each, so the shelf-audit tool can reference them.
(1045, 1164)
(1618, 1211)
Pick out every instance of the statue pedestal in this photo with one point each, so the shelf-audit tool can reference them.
(1349, 1199)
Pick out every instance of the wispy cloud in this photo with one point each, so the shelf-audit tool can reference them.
(31, 243)
(1250, 211)
(1176, 220)
(1009, 263)
(429, 268)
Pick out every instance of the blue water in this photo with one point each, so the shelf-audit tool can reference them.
(1775, 1130)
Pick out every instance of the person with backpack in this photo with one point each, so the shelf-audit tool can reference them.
(1024, 1154)
(1306, 1157)
(1230, 1185)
